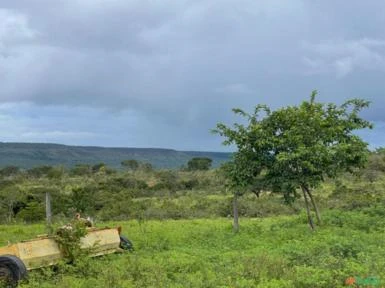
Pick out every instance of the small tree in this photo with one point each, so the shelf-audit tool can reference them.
(130, 164)
(81, 170)
(39, 171)
(100, 167)
(297, 146)
(12, 200)
(82, 198)
(375, 166)
(240, 174)
(199, 163)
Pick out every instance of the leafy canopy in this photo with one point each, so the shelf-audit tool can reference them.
(296, 146)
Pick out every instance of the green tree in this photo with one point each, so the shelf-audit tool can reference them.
(295, 147)
(81, 170)
(82, 198)
(146, 167)
(130, 164)
(375, 166)
(56, 172)
(240, 174)
(100, 167)
(34, 211)
(39, 171)
(199, 163)
(9, 171)
(12, 200)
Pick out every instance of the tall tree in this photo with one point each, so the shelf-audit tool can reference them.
(297, 146)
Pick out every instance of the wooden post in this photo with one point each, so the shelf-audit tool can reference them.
(48, 213)
(235, 212)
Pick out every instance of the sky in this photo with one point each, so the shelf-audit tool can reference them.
(148, 73)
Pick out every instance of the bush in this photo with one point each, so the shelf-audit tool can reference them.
(33, 212)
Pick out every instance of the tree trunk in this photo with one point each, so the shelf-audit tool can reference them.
(307, 209)
(314, 206)
(235, 213)
(257, 192)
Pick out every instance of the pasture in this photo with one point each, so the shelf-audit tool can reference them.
(268, 252)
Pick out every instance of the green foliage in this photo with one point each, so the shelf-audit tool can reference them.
(9, 171)
(146, 167)
(274, 247)
(131, 164)
(99, 167)
(301, 144)
(296, 146)
(83, 198)
(375, 166)
(56, 172)
(12, 200)
(34, 211)
(168, 194)
(189, 184)
(199, 163)
(167, 179)
(81, 170)
(270, 252)
(68, 238)
(241, 173)
(39, 171)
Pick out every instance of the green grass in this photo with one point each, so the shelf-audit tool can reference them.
(271, 252)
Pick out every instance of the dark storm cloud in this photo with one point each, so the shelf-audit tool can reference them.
(180, 66)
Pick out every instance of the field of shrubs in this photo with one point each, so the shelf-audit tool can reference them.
(180, 223)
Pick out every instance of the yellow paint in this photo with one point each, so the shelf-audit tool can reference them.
(44, 251)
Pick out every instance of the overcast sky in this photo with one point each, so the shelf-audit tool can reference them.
(123, 73)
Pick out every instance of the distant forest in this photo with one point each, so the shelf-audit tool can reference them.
(28, 155)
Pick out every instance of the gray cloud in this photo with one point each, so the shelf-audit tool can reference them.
(178, 67)
(344, 57)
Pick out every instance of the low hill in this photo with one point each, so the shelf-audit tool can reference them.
(27, 155)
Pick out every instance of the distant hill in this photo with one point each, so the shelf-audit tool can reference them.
(27, 155)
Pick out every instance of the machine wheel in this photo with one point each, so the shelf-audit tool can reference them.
(12, 270)
(126, 244)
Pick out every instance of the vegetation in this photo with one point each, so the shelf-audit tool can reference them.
(270, 252)
(131, 164)
(199, 163)
(179, 220)
(239, 175)
(29, 155)
(69, 239)
(181, 230)
(296, 147)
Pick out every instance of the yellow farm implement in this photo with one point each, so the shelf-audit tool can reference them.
(17, 259)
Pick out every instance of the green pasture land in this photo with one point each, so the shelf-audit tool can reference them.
(270, 252)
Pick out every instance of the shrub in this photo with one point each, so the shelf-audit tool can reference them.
(32, 212)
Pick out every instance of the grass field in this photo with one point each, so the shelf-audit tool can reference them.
(270, 252)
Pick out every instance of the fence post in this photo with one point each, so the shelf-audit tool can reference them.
(48, 212)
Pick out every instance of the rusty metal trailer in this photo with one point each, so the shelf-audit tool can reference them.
(17, 259)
